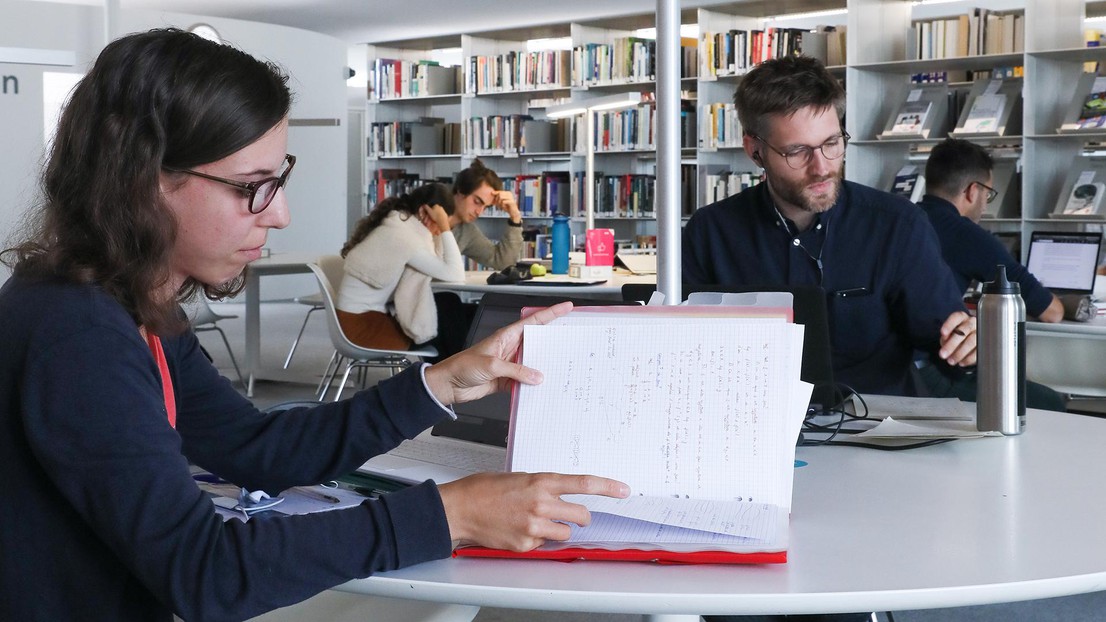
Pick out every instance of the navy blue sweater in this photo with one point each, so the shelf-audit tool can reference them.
(101, 518)
(973, 253)
(887, 289)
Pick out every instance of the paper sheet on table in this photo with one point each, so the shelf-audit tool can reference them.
(941, 408)
(890, 428)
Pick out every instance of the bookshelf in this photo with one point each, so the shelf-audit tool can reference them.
(878, 61)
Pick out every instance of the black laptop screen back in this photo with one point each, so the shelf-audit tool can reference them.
(809, 306)
(486, 420)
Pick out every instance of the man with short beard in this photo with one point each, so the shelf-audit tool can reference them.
(888, 291)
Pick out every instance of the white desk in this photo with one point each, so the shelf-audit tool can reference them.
(477, 282)
(1068, 356)
(964, 523)
(281, 263)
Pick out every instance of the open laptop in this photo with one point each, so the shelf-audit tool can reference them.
(1065, 262)
(809, 306)
(477, 440)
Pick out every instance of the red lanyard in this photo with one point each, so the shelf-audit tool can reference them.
(166, 382)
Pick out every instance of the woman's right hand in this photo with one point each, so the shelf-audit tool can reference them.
(519, 511)
(435, 218)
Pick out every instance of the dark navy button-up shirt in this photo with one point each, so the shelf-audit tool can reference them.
(973, 253)
(888, 290)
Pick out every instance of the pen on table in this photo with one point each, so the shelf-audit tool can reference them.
(315, 494)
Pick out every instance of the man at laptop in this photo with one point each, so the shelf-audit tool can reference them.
(959, 185)
(873, 253)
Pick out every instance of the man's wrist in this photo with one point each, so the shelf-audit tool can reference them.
(515, 223)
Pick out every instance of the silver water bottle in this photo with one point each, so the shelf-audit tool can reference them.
(1000, 354)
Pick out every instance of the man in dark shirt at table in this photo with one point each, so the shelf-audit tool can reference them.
(959, 185)
(875, 255)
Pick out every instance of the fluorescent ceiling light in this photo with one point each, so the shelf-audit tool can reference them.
(613, 102)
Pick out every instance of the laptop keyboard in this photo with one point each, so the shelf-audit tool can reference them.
(469, 457)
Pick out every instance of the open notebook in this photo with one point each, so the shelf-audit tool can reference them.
(476, 441)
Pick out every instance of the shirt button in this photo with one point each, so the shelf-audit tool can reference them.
(795, 241)
(818, 226)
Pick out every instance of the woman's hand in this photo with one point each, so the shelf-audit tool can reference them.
(435, 218)
(519, 511)
(488, 366)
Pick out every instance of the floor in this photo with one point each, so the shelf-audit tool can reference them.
(281, 320)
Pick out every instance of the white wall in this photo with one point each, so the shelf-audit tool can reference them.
(315, 63)
(40, 26)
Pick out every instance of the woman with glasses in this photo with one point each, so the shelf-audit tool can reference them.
(888, 291)
(164, 179)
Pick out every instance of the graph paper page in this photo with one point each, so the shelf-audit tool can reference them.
(679, 411)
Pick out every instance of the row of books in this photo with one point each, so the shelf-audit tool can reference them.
(718, 186)
(634, 129)
(428, 136)
(541, 195)
(393, 79)
(518, 71)
(737, 51)
(628, 59)
(719, 126)
(516, 134)
(979, 32)
(937, 77)
(393, 182)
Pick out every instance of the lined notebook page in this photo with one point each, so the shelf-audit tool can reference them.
(694, 410)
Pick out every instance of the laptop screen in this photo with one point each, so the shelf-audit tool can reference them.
(486, 420)
(1064, 262)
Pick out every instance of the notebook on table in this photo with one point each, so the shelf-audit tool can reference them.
(476, 441)
(1065, 262)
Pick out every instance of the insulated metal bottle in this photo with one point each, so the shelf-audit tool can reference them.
(561, 242)
(1000, 355)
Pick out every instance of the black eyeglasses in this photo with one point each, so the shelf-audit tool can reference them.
(260, 192)
(991, 192)
(801, 156)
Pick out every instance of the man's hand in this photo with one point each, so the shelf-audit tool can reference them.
(506, 201)
(958, 340)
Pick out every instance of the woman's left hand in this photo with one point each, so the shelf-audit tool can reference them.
(488, 366)
(435, 218)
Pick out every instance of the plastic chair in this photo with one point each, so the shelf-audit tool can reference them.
(315, 301)
(345, 351)
(206, 319)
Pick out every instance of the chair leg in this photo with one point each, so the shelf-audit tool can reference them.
(328, 375)
(296, 341)
(345, 379)
(231, 353)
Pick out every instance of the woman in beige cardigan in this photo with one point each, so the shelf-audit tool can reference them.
(385, 301)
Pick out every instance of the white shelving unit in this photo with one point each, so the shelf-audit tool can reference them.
(876, 75)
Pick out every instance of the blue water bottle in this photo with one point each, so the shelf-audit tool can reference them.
(561, 237)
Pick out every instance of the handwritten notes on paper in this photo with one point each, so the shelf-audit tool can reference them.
(684, 410)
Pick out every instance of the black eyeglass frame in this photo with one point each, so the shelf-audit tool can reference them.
(992, 194)
(808, 150)
(248, 186)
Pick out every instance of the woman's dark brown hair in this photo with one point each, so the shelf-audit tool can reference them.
(429, 194)
(154, 100)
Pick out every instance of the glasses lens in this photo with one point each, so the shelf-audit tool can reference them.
(264, 195)
(798, 158)
(834, 148)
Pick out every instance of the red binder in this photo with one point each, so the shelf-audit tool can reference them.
(629, 555)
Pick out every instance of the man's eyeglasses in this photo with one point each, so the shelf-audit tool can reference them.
(800, 157)
(991, 192)
(260, 192)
